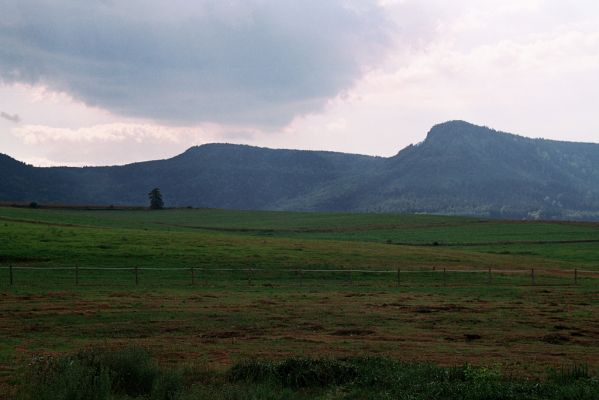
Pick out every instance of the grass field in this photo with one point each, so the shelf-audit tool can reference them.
(275, 312)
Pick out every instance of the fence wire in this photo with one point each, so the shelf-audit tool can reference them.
(119, 276)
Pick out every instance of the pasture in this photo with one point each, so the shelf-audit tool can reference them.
(270, 286)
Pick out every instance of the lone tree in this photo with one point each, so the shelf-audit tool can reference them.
(156, 202)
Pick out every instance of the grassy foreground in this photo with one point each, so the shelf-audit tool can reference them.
(517, 326)
(131, 374)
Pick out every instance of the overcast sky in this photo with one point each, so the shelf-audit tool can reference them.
(112, 82)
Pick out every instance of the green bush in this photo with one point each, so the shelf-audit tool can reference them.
(302, 372)
(297, 372)
(97, 374)
(133, 371)
(253, 371)
(570, 374)
(69, 378)
(167, 386)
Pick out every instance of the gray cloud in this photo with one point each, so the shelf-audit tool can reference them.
(238, 61)
(10, 117)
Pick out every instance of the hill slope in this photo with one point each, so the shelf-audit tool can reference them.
(459, 169)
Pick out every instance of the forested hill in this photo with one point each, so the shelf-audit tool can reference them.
(459, 169)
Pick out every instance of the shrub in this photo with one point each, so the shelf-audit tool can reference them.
(133, 371)
(65, 378)
(566, 375)
(301, 372)
(297, 372)
(252, 371)
(95, 374)
(167, 386)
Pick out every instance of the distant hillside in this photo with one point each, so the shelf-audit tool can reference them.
(465, 169)
(459, 169)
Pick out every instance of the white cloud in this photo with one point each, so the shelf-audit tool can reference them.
(115, 132)
(484, 64)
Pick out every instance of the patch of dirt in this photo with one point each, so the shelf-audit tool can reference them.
(222, 335)
(352, 332)
(434, 309)
(472, 336)
(246, 333)
(267, 302)
(35, 328)
(311, 327)
(120, 294)
(384, 305)
(555, 339)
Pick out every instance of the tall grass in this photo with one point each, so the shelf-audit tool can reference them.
(99, 374)
(131, 374)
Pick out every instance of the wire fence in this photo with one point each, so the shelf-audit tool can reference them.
(29, 276)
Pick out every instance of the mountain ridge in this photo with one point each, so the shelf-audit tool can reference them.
(459, 168)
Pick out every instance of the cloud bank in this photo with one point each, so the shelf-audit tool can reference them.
(238, 61)
(114, 82)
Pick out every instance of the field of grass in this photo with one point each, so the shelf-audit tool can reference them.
(230, 315)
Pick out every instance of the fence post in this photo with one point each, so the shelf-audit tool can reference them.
(575, 276)
(76, 275)
(10, 274)
(532, 276)
(136, 276)
(398, 277)
(193, 276)
(489, 275)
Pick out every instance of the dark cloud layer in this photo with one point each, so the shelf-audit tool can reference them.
(240, 61)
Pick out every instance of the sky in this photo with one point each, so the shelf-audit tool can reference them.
(112, 82)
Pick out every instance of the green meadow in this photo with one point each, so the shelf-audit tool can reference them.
(217, 289)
